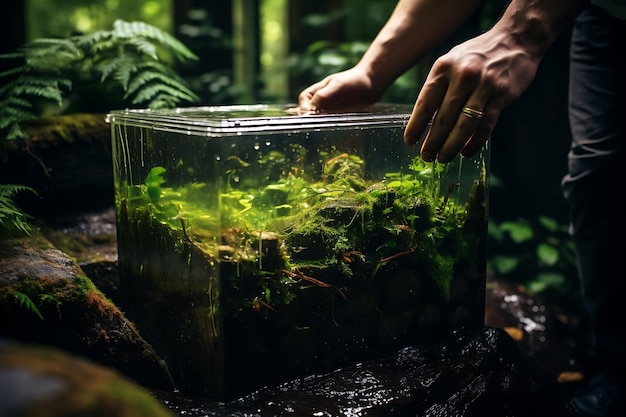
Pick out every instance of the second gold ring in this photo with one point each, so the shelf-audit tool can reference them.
(471, 113)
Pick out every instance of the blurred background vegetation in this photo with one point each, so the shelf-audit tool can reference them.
(253, 51)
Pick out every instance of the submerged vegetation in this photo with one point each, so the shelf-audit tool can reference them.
(342, 222)
(302, 262)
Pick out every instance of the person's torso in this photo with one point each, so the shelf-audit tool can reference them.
(616, 8)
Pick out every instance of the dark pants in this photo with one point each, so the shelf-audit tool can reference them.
(595, 187)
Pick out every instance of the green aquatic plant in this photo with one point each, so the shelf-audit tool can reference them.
(129, 59)
(154, 183)
(337, 220)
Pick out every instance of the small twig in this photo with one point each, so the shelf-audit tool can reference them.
(300, 275)
(397, 255)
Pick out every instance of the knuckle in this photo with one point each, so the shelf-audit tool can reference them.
(469, 70)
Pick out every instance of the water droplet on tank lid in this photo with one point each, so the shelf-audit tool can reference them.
(268, 143)
(256, 147)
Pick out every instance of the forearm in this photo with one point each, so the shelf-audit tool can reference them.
(414, 28)
(533, 25)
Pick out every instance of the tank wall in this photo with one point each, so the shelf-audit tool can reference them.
(255, 258)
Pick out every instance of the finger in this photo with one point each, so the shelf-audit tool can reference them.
(448, 116)
(468, 121)
(482, 134)
(306, 98)
(424, 111)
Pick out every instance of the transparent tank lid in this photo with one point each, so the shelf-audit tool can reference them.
(216, 121)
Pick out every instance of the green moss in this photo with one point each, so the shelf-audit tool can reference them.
(40, 293)
(343, 223)
(88, 389)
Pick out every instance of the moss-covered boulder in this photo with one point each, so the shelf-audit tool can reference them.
(46, 298)
(41, 381)
(66, 158)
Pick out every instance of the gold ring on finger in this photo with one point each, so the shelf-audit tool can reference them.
(471, 113)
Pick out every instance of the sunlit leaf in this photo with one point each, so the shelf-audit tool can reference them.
(549, 223)
(518, 231)
(544, 281)
(547, 254)
(504, 264)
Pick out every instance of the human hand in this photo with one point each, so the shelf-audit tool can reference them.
(465, 92)
(341, 90)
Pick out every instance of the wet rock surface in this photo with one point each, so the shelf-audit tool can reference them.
(472, 373)
(45, 298)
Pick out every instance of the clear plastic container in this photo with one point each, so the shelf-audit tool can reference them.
(257, 245)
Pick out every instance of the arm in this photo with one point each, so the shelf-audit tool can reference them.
(414, 28)
(486, 73)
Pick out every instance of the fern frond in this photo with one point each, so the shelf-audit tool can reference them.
(13, 71)
(107, 68)
(14, 129)
(126, 56)
(88, 40)
(8, 191)
(149, 92)
(11, 216)
(144, 47)
(134, 30)
(125, 66)
(12, 112)
(97, 48)
(51, 55)
(39, 87)
(16, 102)
(152, 71)
(138, 78)
(24, 301)
(12, 55)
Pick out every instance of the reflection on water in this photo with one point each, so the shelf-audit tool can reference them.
(472, 373)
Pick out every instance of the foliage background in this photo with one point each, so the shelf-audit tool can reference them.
(62, 18)
(268, 50)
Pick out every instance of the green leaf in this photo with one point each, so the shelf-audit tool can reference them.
(518, 231)
(504, 264)
(544, 281)
(154, 181)
(494, 231)
(549, 223)
(547, 254)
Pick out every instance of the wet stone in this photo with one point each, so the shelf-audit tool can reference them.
(472, 373)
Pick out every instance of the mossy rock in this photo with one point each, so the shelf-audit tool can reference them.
(45, 298)
(66, 159)
(42, 381)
